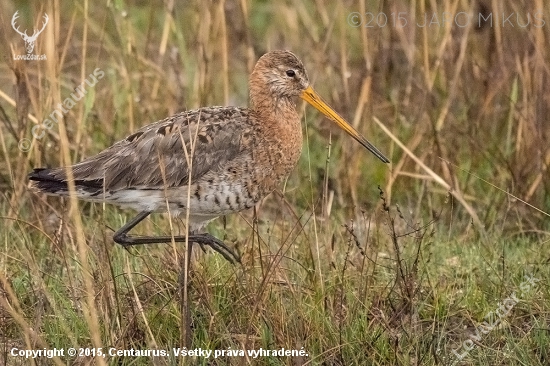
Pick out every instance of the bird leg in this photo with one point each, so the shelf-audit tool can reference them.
(121, 237)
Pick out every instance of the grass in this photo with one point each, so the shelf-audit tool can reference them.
(356, 262)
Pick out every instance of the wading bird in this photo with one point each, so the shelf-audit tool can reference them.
(211, 161)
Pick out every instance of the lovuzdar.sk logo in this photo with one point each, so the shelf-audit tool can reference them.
(29, 40)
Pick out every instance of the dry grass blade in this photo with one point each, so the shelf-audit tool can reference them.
(457, 194)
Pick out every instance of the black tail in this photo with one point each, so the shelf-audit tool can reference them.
(46, 181)
(53, 181)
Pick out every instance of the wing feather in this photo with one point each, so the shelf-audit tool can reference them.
(156, 155)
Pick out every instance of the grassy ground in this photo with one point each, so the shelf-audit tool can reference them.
(441, 258)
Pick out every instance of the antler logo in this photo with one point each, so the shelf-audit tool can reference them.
(29, 40)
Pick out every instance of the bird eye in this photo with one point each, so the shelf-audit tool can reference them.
(290, 73)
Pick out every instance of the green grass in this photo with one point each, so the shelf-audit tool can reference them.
(397, 275)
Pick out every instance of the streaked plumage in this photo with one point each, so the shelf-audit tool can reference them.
(238, 155)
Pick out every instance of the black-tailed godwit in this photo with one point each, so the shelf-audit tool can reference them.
(212, 161)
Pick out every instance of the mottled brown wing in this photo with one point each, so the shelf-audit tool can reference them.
(155, 156)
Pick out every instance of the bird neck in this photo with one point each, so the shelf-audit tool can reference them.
(268, 103)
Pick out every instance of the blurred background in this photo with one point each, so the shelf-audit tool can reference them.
(356, 261)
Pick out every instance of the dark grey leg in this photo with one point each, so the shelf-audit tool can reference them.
(121, 237)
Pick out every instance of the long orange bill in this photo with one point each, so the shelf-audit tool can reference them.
(311, 96)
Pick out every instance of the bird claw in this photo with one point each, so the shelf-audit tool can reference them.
(217, 245)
